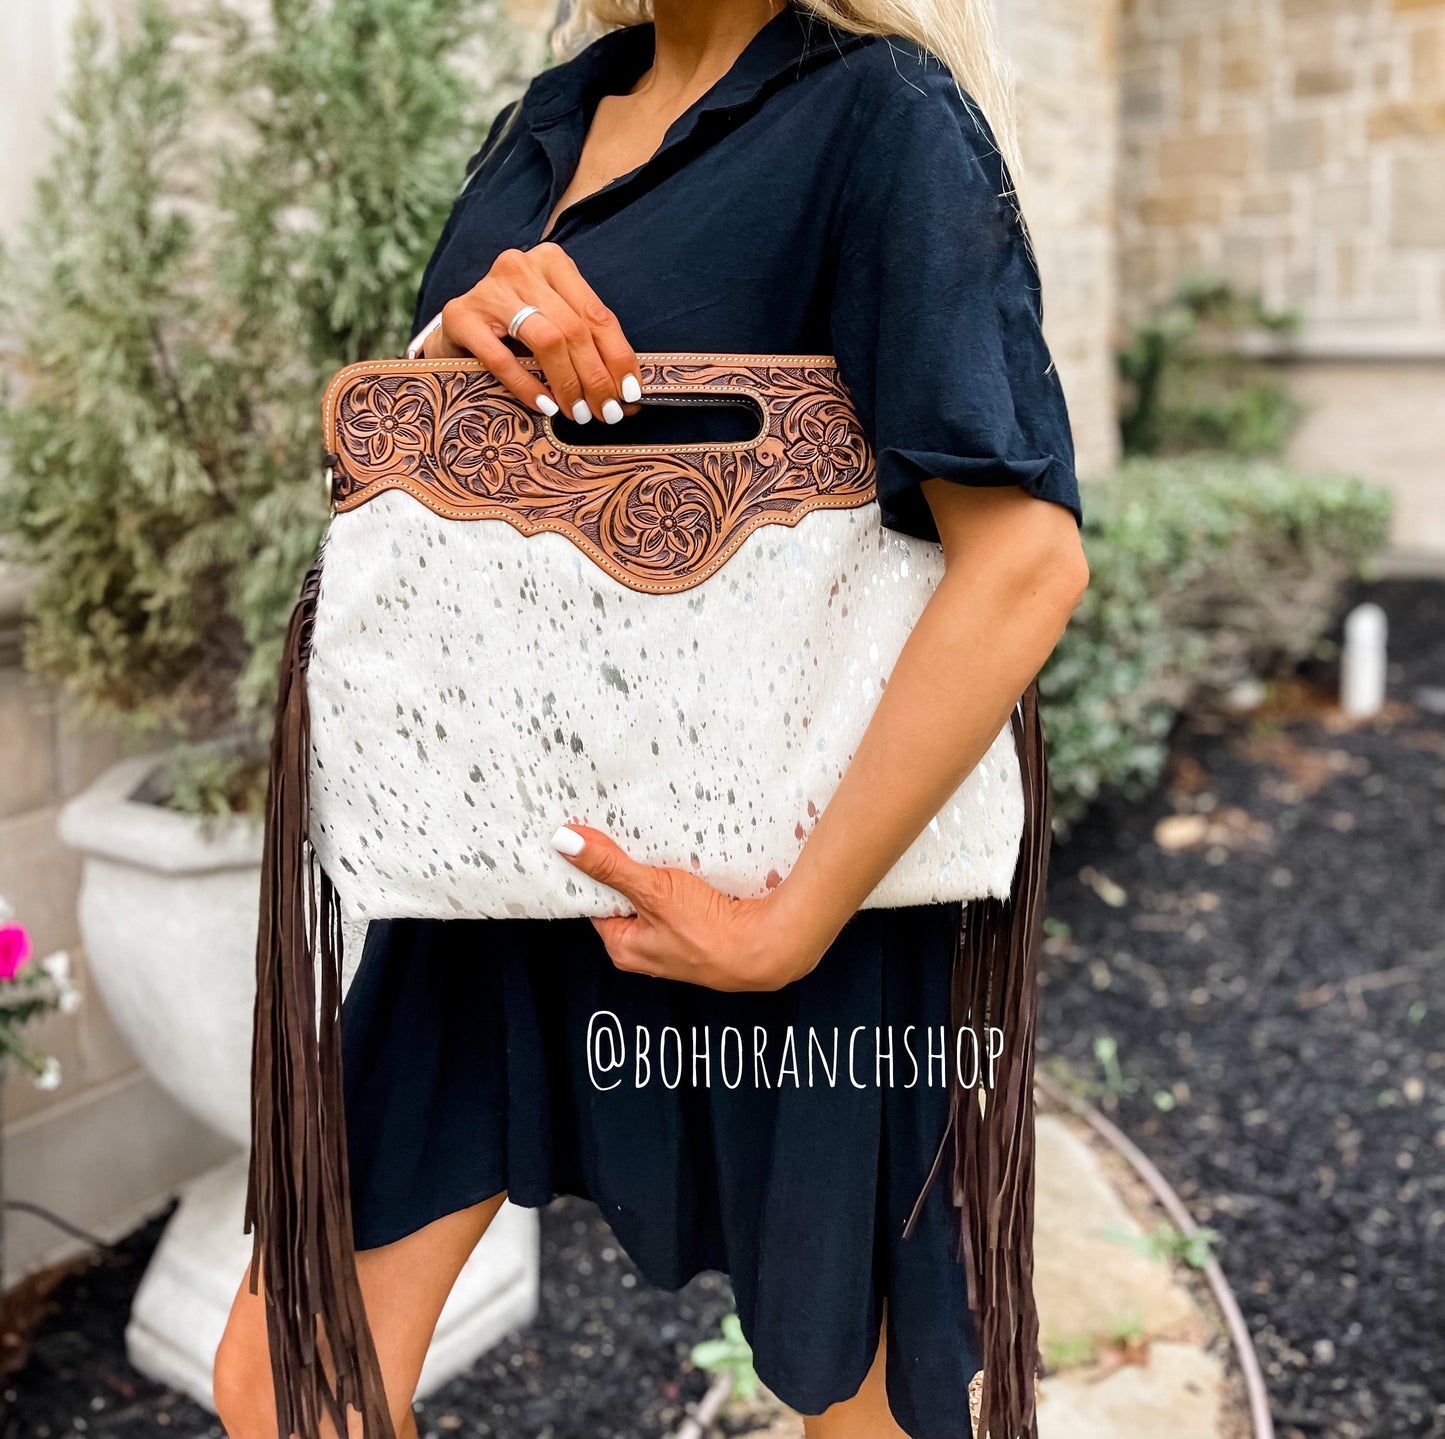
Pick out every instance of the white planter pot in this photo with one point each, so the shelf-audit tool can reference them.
(168, 909)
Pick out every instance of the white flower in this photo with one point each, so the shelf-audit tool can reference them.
(68, 1000)
(6, 911)
(57, 966)
(49, 1076)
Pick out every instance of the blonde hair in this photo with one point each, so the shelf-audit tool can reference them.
(960, 33)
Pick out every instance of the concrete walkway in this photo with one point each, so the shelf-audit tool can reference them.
(1123, 1340)
(1126, 1349)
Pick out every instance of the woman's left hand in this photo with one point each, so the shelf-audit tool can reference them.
(684, 928)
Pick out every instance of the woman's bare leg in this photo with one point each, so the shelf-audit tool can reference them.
(865, 1416)
(404, 1286)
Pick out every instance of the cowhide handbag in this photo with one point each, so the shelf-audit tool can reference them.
(681, 646)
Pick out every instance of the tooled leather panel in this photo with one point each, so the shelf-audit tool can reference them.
(447, 433)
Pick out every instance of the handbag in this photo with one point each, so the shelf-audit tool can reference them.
(681, 645)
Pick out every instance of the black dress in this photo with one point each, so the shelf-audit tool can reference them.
(832, 194)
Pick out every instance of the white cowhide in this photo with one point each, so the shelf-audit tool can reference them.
(473, 688)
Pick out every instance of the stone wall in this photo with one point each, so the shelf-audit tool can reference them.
(107, 1146)
(1298, 146)
(33, 37)
(1064, 57)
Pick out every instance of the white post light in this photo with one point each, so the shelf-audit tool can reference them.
(1362, 665)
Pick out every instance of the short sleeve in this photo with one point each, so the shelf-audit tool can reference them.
(936, 314)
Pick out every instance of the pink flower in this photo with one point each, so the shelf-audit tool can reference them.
(14, 950)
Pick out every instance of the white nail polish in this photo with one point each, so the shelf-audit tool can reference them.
(567, 841)
(581, 413)
(547, 405)
(612, 412)
(631, 389)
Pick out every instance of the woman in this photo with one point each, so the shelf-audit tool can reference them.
(736, 176)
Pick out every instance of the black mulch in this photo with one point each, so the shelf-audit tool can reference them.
(1281, 983)
(607, 1359)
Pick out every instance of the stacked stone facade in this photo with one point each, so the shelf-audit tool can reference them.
(1064, 56)
(1299, 146)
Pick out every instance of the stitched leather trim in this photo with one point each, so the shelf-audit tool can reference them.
(448, 434)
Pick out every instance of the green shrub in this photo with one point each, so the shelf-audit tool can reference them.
(188, 280)
(1190, 384)
(1204, 573)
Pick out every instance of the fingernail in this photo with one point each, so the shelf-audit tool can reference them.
(547, 405)
(581, 413)
(612, 412)
(631, 389)
(567, 841)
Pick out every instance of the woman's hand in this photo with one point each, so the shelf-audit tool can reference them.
(590, 367)
(685, 929)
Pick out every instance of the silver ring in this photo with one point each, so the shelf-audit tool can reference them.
(521, 318)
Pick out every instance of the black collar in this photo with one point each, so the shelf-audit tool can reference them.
(793, 41)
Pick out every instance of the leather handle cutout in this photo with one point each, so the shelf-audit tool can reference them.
(665, 419)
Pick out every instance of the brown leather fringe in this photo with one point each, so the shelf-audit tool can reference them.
(323, 1361)
(995, 985)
